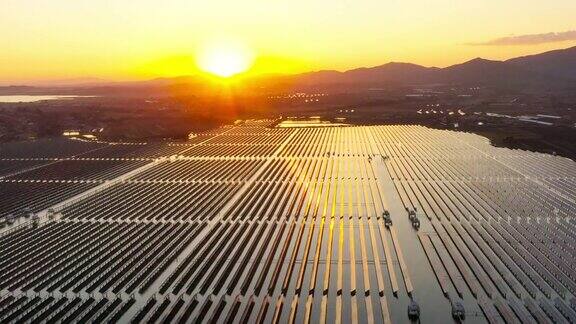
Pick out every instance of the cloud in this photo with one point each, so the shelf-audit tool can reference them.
(532, 39)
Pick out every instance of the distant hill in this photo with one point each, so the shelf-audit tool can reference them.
(486, 72)
(546, 71)
(558, 63)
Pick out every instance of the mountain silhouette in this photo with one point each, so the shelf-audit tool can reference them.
(546, 71)
(549, 70)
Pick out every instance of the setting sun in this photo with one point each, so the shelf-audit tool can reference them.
(225, 58)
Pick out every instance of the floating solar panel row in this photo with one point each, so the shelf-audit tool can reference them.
(232, 150)
(477, 268)
(154, 201)
(274, 242)
(260, 123)
(9, 167)
(88, 257)
(250, 127)
(537, 201)
(67, 170)
(212, 310)
(272, 137)
(553, 172)
(260, 260)
(241, 141)
(47, 148)
(329, 142)
(520, 247)
(452, 187)
(201, 170)
(149, 150)
(61, 309)
(117, 151)
(36, 196)
(302, 236)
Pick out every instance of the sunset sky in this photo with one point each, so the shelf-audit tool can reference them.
(140, 39)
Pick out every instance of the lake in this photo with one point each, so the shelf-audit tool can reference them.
(34, 98)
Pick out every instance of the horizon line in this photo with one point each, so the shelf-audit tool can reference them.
(41, 82)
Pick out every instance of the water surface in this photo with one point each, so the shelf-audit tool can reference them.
(34, 98)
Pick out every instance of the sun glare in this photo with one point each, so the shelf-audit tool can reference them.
(225, 58)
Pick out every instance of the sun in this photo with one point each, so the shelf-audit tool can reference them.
(225, 58)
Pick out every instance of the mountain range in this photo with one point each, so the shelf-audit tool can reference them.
(551, 70)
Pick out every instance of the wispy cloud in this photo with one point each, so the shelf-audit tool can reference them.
(531, 39)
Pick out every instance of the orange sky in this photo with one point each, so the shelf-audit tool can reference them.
(140, 39)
